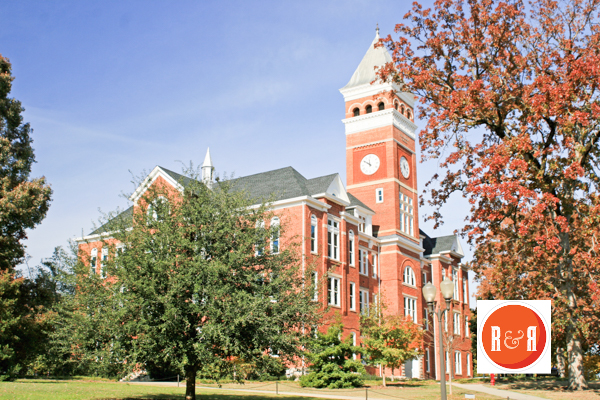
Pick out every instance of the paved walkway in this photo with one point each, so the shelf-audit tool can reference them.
(497, 392)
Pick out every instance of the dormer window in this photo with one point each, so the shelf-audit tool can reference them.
(356, 112)
(381, 106)
(369, 109)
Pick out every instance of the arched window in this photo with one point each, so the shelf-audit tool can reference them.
(313, 234)
(275, 235)
(396, 105)
(351, 248)
(356, 112)
(408, 114)
(369, 109)
(381, 106)
(402, 109)
(409, 276)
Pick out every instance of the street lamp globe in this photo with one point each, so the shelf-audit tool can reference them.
(429, 292)
(447, 288)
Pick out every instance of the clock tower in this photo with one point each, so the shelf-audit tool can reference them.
(380, 148)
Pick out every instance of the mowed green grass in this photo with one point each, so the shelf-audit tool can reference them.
(77, 390)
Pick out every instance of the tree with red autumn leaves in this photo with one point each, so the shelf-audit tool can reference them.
(511, 95)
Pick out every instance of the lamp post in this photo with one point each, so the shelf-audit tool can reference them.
(429, 292)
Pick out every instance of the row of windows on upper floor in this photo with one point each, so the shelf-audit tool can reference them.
(381, 106)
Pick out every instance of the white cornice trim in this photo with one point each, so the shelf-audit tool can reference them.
(335, 199)
(152, 176)
(371, 183)
(297, 201)
(368, 238)
(440, 257)
(368, 89)
(350, 217)
(453, 253)
(401, 242)
(379, 119)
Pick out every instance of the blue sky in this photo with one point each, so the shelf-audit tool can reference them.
(117, 86)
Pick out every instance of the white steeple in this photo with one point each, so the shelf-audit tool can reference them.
(207, 169)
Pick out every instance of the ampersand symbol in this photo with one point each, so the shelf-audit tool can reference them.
(514, 341)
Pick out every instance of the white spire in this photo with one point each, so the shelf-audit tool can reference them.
(207, 169)
(207, 159)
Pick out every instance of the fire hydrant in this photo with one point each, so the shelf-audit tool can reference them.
(492, 379)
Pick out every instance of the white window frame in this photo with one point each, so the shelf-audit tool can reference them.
(352, 294)
(363, 266)
(313, 234)
(456, 323)
(379, 195)
(363, 301)
(409, 276)
(466, 325)
(455, 279)
(333, 239)
(333, 291)
(351, 248)
(457, 363)
(103, 260)
(427, 361)
(465, 294)
(406, 214)
(468, 364)
(410, 307)
(424, 278)
(426, 319)
(259, 247)
(93, 260)
(374, 265)
(275, 235)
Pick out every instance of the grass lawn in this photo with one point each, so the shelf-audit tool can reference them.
(552, 389)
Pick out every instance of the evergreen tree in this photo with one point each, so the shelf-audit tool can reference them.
(23, 205)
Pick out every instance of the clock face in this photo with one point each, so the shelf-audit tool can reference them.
(369, 164)
(404, 168)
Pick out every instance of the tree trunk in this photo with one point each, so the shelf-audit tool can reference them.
(382, 370)
(574, 352)
(560, 362)
(393, 374)
(190, 383)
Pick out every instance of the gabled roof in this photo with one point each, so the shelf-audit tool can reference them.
(354, 201)
(125, 218)
(279, 184)
(375, 57)
(441, 244)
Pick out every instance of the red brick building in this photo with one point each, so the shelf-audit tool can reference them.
(364, 238)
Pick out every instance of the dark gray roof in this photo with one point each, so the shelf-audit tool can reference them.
(354, 201)
(125, 218)
(438, 244)
(279, 184)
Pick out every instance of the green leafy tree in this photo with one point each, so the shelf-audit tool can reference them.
(23, 205)
(197, 284)
(390, 340)
(332, 361)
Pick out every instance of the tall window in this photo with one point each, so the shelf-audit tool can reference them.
(363, 301)
(396, 105)
(409, 276)
(424, 278)
(333, 239)
(465, 294)
(402, 109)
(315, 277)
(334, 291)
(410, 308)
(426, 319)
(381, 106)
(352, 296)
(379, 195)
(374, 265)
(351, 248)
(457, 363)
(466, 326)
(93, 261)
(353, 335)
(468, 364)
(259, 246)
(369, 109)
(406, 214)
(313, 234)
(455, 279)
(275, 235)
(103, 261)
(427, 368)
(456, 323)
(356, 112)
(363, 266)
